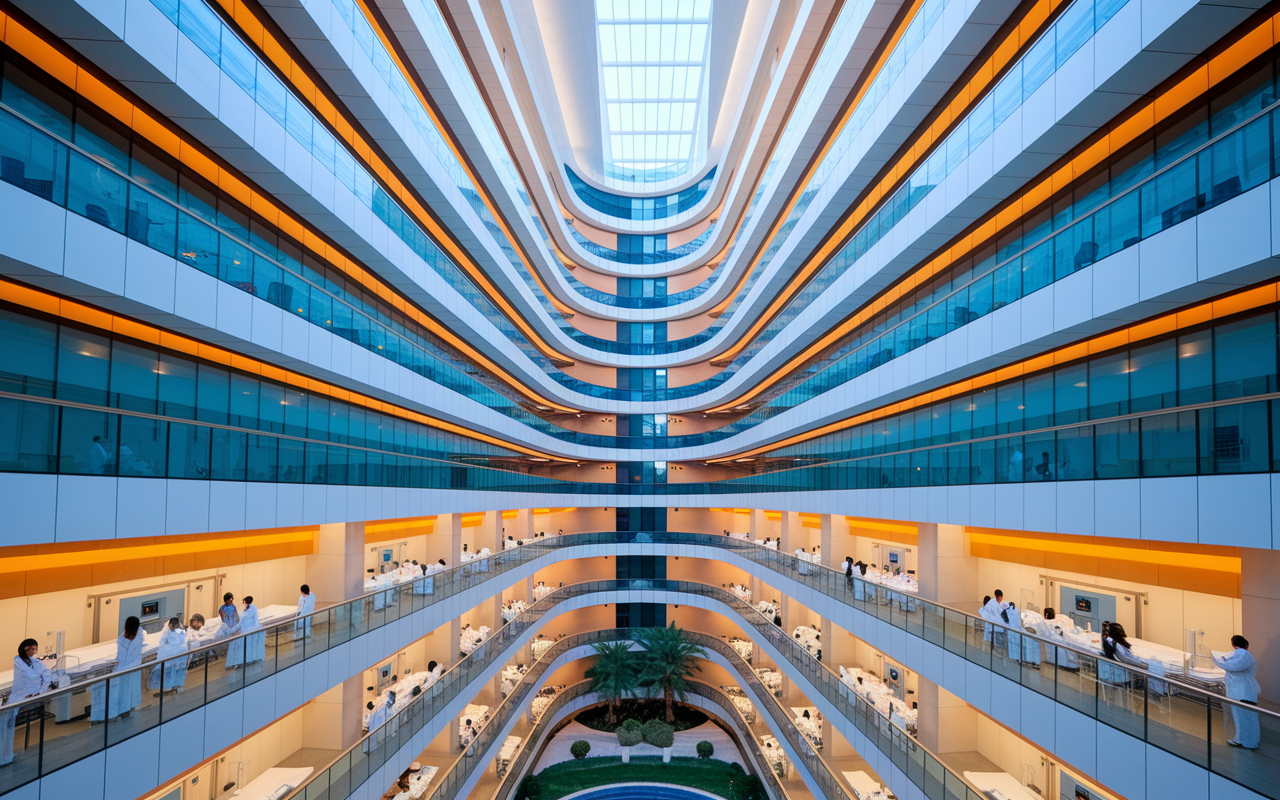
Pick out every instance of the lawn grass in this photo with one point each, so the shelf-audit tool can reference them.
(708, 775)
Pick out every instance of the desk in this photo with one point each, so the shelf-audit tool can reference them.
(506, 753)
(866, 787)
(269, 784)
(1000, 786)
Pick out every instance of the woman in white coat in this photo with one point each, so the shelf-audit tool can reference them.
(1242, 685)
(124, 694)
(255, 644)
(30, 678)
(173, 647)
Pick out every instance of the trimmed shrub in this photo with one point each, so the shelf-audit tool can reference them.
(580, 748)
(749, 787)
(705, 749)
(630, 733)
(659, 733)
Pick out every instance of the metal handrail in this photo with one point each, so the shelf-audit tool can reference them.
(801, 743)
(515, 769)
(715, 540)
(448, 575)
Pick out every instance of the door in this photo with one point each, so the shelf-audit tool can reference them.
(1090, 607)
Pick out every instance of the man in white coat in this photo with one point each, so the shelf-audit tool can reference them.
(994, 613)
(1242, 685)
(306, 605)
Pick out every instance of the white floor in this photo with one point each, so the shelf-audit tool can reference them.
(606, 744)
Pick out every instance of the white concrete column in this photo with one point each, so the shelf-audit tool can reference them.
(1260, 614)
(490, 532)
(757, 523)
(789, 532)
(450, 525)
(335, 719)
(945, 723)
(948, 574)
(835, 534)
(335, 571)
(522, 526)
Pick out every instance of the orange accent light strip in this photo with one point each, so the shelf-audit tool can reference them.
(1256, 297)
(960, 104)
(60, 66)
(51, 304)
(1222, 66)
(271, 48)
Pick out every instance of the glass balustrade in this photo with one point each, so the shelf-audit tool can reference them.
(53, 437)
(1167, 711)
(515, 770)
(94, 708)
(639, 208)
(41, 163)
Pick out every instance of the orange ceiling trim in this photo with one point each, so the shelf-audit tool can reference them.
(1141, 120)
(60, 66)
(55, 306)
(1256, 297)
(72, 558)
(247, 20)
(959, 105)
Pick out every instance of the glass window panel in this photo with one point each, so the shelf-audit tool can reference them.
(38, 102)
(1153, 382)
(1244, 356)
(1075, 448)
(1116, 449)
(1108, 384)
(96, 193)
(1234, 439)
(177, 387)
(1195, 367)
(1169, 444)
(143, 446)
(84, 362)
(28, 436)
(134, 377)
(87, 443)
(28, 354)
(188, 451)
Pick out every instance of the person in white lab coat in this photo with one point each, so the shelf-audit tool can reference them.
(173, 642)
(306, 605)
(1018, 642)
(1242, 685)
(376, 721)
(30, 678)
(119, 696)
(255, 644)
(993, 611)
(230, 617)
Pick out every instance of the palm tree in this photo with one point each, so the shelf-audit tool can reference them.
(670, 661)
(614, 674)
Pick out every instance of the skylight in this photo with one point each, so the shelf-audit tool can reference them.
(653, 77)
